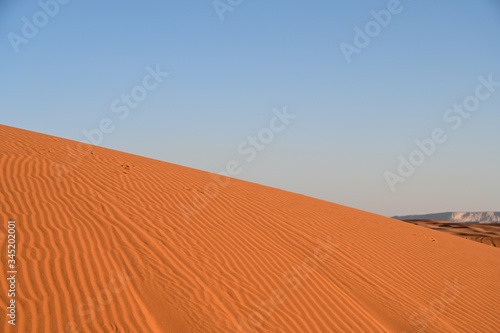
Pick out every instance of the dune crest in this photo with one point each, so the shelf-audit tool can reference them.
(114, 242)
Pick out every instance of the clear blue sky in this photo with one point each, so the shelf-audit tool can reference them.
(352, 121)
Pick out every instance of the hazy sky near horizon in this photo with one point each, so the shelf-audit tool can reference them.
(353, 119)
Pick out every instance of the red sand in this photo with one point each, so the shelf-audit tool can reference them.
(113, 242)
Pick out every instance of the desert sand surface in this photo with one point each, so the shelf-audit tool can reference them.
(114, 242)
(456, 217)
(486, 233)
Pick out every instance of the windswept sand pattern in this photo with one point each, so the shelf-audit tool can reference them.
(113, 242)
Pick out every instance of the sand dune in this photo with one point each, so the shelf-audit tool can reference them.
(113, 242)
(485, 233)
(456, 217)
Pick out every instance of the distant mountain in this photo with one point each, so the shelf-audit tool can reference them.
(457, 217)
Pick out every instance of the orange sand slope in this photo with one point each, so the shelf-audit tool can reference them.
(113, 242)
(486, 233)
